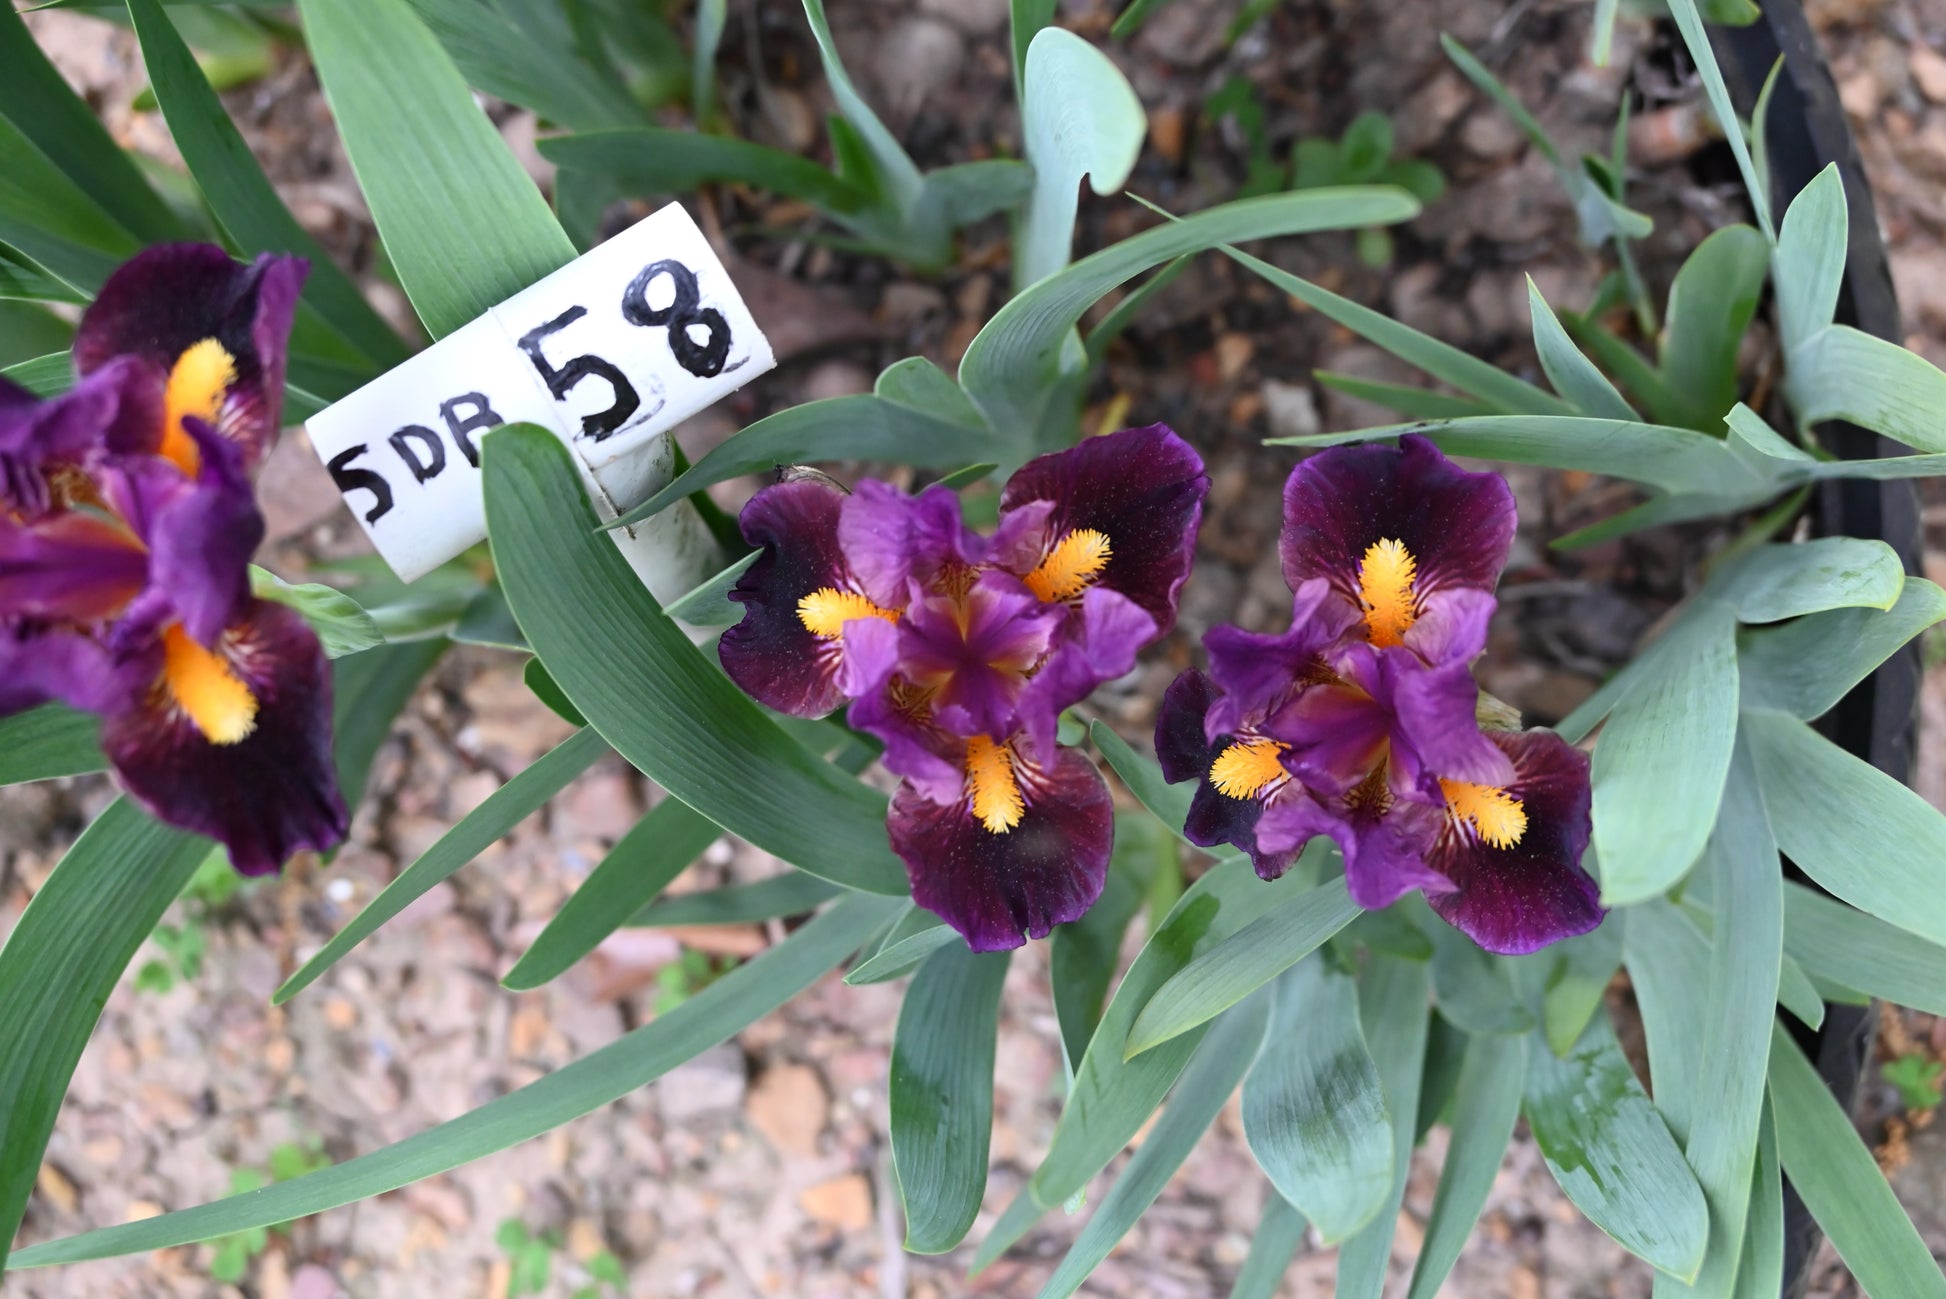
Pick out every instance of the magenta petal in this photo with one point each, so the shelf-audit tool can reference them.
(890, 539)
(50, 663)
(271, 794)
(930, 760)
(1144, 489)
(1458, 526)
(1335, 736)
(202, 540)
(975, 652)
(1385, 854)
(1098, 644)
(1045, 871)
(771, 654)
(1435, 729)
(1261, 673)
(1519, 899)
(166, 299)
(1452, 626)
(36, 435)
(69, 567)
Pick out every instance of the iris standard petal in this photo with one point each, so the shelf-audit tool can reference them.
(972, 652)
(1456, 528)
(891, 539)
(171, 298)
(39, 663)
(1096, 643)
(774, 654)
(1141, 490)
(264, 796)
(68, 566)
(202, 538)
(1431, 719)
(38, 435)
(1384, 846)
(1521, 897)
(1046, 870)
(1257, 674)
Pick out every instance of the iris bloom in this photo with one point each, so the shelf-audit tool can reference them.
(1360, 722)
(959, 651)
(126, 528)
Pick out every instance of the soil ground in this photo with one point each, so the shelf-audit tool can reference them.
(761, 1167)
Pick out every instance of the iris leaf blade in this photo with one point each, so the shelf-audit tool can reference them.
(640, 865)
(238, 193)
(48, 741)
(1485, 1105)
(1841, 1183)
(1214, 1071)
(790, 894)
(514, 801)
(1789, 668)
(1611, 1153)
(714, 1014)
(1243, 962)
(660, 701)
(1392, 1006)
(1844, 945)
(1660, 764)
(1111, 1096)
(58, 966)
(940, 1093)
(1169, 803)
(1313, 1106)
(1824, 804)
(464, 226)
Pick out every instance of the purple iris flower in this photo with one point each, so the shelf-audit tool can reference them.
(960, 651)
(127, 524)
(1360, 722)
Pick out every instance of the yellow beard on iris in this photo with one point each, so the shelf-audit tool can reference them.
(826, 610)
(1489, 813)
(1071, 566)
(1244, 770)
(207, 689)
(996, 790)
(1385, 578)
(197, 382)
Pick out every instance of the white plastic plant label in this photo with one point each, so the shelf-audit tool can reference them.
(610, 351)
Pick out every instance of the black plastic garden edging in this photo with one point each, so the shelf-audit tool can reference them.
(1805, 130)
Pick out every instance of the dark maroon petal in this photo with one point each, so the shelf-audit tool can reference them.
(1259, 674)
(267, 796)
(1097, 643)
(1186, 753)
(39, 663)
(1519, 899)
(165, 300)
(1182, 748)
(1384, 851)
(1458, 526)
(1045, 871)
(68, 566)
(202, 539)
(890, 539)
(771, 654)
(1143, 488)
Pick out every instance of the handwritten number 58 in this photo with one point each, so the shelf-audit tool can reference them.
(702, 359)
